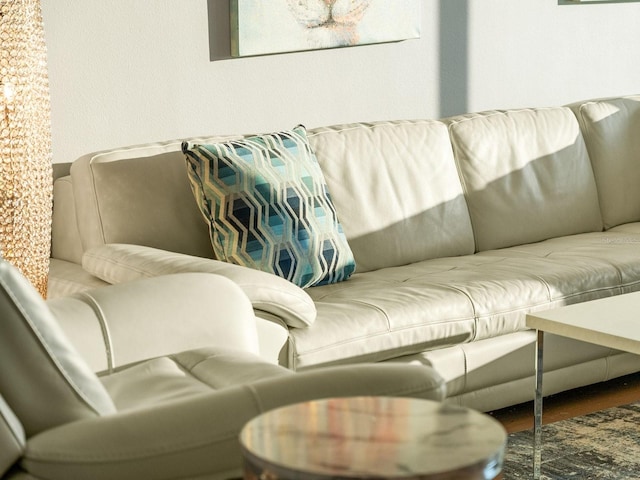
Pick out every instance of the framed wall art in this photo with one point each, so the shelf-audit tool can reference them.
(260, 27)
(583, 2)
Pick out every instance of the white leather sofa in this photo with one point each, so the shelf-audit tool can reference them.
(143, 381)
(459, 227)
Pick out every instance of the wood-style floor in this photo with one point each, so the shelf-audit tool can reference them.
(581, 401)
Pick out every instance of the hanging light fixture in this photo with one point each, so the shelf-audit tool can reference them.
(25, 142)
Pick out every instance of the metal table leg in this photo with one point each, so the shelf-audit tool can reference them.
(537, 417)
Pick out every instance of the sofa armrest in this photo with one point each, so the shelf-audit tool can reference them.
(67, 278)
(122, 324)
(117, 263)
(273, 335)
(198, 436)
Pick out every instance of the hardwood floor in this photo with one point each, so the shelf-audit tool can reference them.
(581, 401)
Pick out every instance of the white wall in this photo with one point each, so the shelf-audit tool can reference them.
(136, 71)
(534, 52)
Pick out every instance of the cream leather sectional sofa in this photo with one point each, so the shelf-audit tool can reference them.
(459, 227)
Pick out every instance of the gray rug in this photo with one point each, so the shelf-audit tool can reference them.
(601, 445)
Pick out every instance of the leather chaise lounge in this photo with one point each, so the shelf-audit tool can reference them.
(141, 381)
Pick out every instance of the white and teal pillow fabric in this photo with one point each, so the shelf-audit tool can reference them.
(268, 207)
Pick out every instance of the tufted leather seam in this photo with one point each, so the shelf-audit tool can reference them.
(494, 113)
(473, 307)
(192, 373)
(104, 328)
(372, 126)
(463, 183)
(466, 368)
(255, 397)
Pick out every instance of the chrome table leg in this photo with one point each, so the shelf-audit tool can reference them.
(537, 417)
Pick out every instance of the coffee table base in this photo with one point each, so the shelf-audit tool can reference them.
(537, 407)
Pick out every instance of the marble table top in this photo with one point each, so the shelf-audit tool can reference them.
(373, 437)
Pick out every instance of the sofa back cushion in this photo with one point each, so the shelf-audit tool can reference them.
(43, 378)
(140, 195)
(526, 175)
(611, 129)
(65, 239)
(396, 190)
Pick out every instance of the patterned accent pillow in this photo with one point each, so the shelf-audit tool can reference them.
(268, 208)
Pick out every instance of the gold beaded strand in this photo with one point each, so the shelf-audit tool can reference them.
(25, 142)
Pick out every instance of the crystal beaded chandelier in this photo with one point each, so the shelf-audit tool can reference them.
(25, 142)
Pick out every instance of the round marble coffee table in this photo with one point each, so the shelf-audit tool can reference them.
(372, 438)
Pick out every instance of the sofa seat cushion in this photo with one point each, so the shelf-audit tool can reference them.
(626, 228)
(395, 311)
(192, 431)
(614, 269)
(183, 375)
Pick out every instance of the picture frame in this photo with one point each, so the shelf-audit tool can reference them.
(261, 27)
(591, 2)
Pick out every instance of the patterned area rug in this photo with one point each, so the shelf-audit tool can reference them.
(601, 445)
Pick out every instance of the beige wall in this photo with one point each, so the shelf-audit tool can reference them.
(136, 71)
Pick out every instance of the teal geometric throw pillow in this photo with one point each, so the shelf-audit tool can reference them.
(268, 208)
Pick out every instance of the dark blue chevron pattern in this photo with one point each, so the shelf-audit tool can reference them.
(268, 207)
